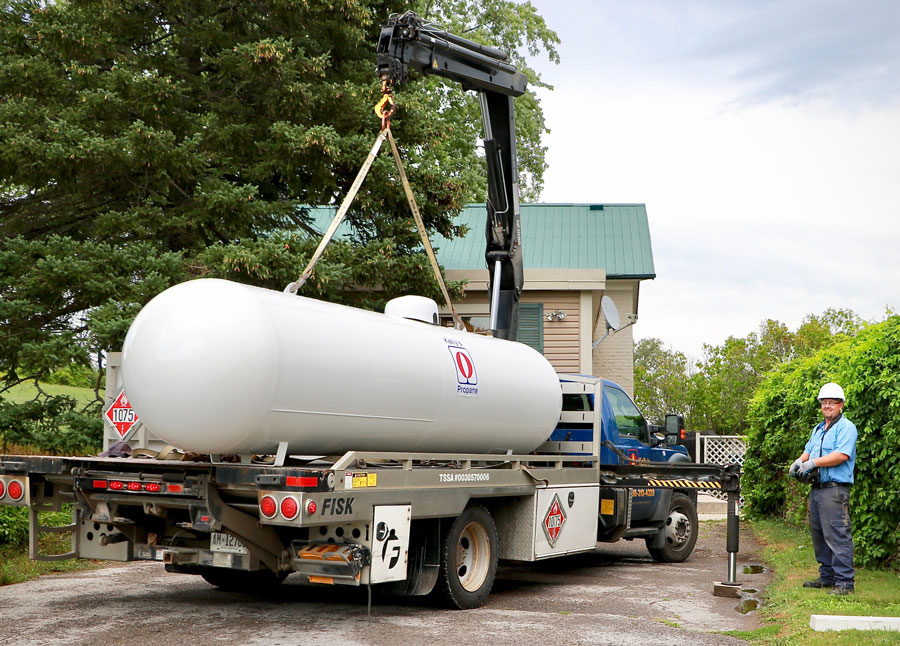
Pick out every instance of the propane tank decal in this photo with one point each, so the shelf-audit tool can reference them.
(466, 377)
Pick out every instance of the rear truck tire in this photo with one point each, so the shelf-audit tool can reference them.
(469, 553)
(242, 580)
(679, 532)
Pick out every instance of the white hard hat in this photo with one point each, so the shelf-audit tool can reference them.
(831, 391)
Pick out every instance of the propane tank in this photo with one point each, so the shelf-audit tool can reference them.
(213, 366)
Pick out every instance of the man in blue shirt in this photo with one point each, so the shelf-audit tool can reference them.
(831, 450)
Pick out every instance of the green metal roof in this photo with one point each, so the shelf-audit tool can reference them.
(614, 237)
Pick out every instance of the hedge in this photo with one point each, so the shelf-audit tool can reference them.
(783, 412)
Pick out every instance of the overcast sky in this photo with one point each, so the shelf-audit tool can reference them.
(764, 138)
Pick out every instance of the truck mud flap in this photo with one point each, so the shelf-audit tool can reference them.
(615, 513)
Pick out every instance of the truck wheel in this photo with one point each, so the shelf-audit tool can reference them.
(469, 559)
(679, 532)
(242, 580)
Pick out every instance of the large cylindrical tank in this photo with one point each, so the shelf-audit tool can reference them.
(214, 366)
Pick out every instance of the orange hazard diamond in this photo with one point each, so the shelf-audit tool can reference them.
(554, 520)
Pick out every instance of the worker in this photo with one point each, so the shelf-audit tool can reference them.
(831, 453)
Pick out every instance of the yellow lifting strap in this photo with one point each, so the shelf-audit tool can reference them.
(422, 233)
(294, 287)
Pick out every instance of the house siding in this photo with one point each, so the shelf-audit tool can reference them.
(614, 357)
(561, 342)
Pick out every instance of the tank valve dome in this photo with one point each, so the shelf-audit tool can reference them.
(417, 308)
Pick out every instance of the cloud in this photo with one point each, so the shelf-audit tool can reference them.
(845, 53)
(782, 205)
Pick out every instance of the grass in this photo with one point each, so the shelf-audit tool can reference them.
(16, 567)
(786, 612)
(26, 392)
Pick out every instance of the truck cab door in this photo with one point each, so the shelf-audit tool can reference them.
(628, 430)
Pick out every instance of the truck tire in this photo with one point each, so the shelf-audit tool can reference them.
(242, 580)
(469, 559)
(679, 532)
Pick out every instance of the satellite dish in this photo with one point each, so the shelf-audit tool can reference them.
(610, 313)
(613, 322)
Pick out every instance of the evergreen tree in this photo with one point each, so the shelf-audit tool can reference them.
(143, 143)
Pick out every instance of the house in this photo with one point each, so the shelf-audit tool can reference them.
(574, 254)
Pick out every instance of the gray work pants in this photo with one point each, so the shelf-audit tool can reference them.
(829, 523)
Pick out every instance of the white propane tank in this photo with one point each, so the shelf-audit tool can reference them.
(213, 366)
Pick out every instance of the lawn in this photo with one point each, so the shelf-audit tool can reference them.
(788, 606)
(26, 392)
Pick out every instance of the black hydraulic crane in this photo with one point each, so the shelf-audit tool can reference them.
(408, 42)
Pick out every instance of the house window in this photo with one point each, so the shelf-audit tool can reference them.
(531, 325)
(479, 324)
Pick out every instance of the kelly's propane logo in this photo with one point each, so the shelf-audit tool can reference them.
(466, 377)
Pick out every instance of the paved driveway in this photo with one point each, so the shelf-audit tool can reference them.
(616, 595)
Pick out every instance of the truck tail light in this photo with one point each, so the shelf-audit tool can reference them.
(683, 435)
(310, 507)
(15, 490)
(2, 488)
(134, 486)
(116, 485)
(301, 481)
(152, 487)
(290, 507)
(268, 507)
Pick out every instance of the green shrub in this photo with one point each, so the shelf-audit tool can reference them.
(54, 424)
(783, 412)
(74, 375)
(13, 525)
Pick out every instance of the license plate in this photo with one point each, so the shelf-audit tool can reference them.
(226, 543)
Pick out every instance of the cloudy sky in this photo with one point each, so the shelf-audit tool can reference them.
(764, 138)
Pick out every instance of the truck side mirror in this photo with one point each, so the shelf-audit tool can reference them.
(674, 429)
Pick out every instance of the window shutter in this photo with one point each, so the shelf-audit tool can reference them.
(531, 325)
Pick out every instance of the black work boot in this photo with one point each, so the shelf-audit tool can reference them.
(841, 590)
(818, 583)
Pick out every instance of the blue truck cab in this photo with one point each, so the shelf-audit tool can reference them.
(665, 516)
(622, 424)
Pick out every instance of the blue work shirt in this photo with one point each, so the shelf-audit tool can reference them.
(841, 436)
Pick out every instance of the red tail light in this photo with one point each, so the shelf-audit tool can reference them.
(268, 506)
(310, 507)
(175, 488)
(290, 508)
(116, 485)
(152, 487)
(135, 486)
(301, 481)
(2, 488)
(683, 435)
(15, 490)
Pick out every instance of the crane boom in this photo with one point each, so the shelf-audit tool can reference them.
(406, 42)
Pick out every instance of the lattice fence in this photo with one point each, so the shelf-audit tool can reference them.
(724, 450)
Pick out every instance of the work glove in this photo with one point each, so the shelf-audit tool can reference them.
(795, 468)
(806, 467)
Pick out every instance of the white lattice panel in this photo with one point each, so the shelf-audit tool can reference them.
(724, 450)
